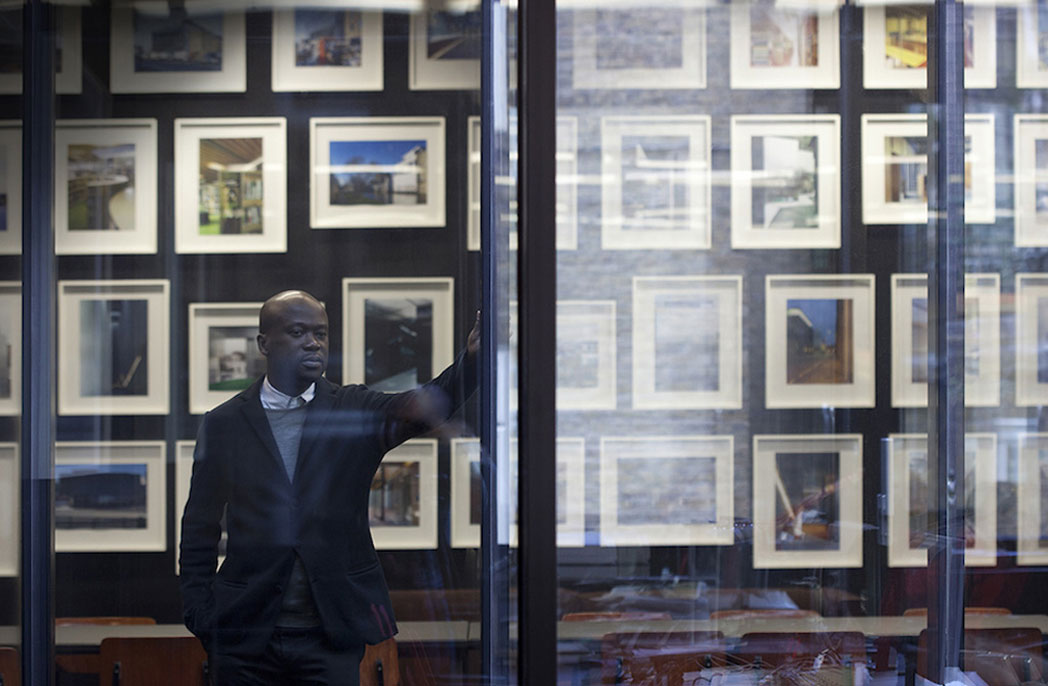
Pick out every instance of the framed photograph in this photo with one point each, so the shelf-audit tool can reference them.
(687, 342)
(68, 56)
(567, 183)
(895, 169)
(1031, 340)
(1031, 46)
(10, 521)
(784, 47)
(911, 512)
(895, 46)
(371, 172)
(223, 353)
(10, 187)
(105, 186)
(184, 48)
(321, 49)
(1031, 180)
(466, 493)
(982, 340)
(110, 496)
(656, 182)
(1032, 495)
(786, 182)
(402, 503)
(667, 48)
(819, 347)
(113, 346)
(231, 185)
(586, 344)
(444, 48)
(183, 477)
(397, 333)
(10, 348)
(807, 501)
(666, 490)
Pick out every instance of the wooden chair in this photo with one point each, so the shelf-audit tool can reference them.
(179, 661)
(659, 657)
(923, 611)
(380, 666)
(770, 613)
(615, 616)
(10, 667)
(104, 621)
(1001, 657)
(773, 650)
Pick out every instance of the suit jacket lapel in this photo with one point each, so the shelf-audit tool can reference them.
(319, 411)
(256, 417)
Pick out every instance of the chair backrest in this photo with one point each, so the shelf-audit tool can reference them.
(380, 666)
(615, 616)
(10, 667)
(140, 662)
(770, 613)
(1001, 657)
(103, 621)
(773, 649)
(658, 657)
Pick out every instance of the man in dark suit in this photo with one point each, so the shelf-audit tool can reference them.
(289, 462)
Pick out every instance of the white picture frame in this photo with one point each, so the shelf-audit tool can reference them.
(776, 46)
(794, 152)
(900, 141)
(348, 62)
(443, 48)
(1031, 180)
(691, 481)
(1031, 504)
(145, 460)
(105, 186)
(91, 365)
(183, 480)
(657, 197)
(412, 195)
(68, 54)
(418, 304)
(569, 499)
(894, 66)
(231, 185)
(11, 186)
(586, 355)
(806, 363)
(1031, 340)
(137, 66)
(220, 366)
(11, 348)
(10, 520)
(907, 455)
(687, 306)
(411, 526)
(982, 341)
(813, 542)
(1031, 25)
(679, 30)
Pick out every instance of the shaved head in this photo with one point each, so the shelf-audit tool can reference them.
(273, 309)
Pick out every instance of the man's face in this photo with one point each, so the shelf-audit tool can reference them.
(296, 345)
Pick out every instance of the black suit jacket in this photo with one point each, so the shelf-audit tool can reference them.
(322, 515)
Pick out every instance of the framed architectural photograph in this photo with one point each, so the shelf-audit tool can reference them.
(10, 187)
(567, 183)
(1031, 339)
(371, 172)
(807, 501)
(183, 477)
(110, 496)
(1031, 180)
(397, 333)
(223, 353)
(786, 182)
(10, 520)
(666, 490)
(444, 48)
(819, 346)
(186, 48)
(231, 185)
(982, 340)
(687, 342)
(113, 346)
(402, 503)
(466, 483)
(105, 186)
(1031, 45)
(586, 347)
(911, 513)
(895, 169)
(327, 49)
(667, 47)
(774, 46)
(1032, 496)
(68, 54)
(656, 182)
(895, 45)
(10, 348)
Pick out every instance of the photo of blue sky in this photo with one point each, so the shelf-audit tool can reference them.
(823, 316)
(371, 152)
(67, 470)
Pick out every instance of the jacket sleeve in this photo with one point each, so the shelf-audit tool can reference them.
(201, 532)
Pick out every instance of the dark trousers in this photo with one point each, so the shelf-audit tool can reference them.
(293, 657)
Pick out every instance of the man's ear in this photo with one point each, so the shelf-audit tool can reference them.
(261, 340)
